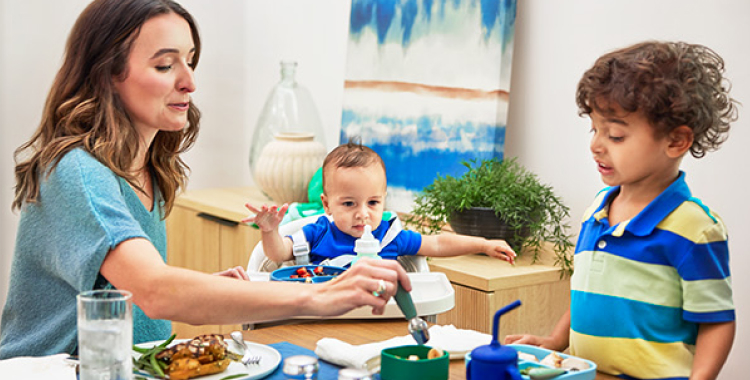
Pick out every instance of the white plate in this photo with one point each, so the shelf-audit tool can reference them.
(270, 360)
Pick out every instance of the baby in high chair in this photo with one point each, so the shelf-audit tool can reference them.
(354, 191)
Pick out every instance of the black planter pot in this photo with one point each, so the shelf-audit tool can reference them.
(482, 221)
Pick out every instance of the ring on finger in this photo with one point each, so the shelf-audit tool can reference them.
(380, 290)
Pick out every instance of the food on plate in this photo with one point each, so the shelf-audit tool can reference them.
(539, 373)
(527, 356)
(303, 272)
(574, 364)
(556, 361)
(203, 355)
(553, 360)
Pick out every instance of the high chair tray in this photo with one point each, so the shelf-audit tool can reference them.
(432, 294)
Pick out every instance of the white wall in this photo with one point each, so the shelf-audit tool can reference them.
(555, 42)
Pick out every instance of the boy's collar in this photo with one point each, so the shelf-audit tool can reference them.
(646, 220)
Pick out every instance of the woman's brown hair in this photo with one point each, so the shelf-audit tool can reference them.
(83, 109)
(671, 83)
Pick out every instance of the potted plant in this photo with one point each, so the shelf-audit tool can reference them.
(523, 211)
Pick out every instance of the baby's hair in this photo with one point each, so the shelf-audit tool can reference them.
(671, 83)
(352, 154)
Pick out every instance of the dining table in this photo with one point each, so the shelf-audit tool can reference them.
(306, 334)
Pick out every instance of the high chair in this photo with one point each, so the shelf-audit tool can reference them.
(260, 263)
(432, 292)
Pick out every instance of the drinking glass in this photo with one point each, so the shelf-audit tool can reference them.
(105, 335)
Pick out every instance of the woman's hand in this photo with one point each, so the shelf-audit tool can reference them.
(354, 288)
(237, 272)
(267, 217)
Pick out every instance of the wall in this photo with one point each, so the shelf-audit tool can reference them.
(555, 42)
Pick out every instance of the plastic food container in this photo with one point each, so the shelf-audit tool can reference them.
(394, 364)
(541, 353)
(288, 273)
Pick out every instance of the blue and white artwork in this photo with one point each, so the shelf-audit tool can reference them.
(427, 85)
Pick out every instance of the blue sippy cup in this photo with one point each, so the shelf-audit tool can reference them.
(494, 361)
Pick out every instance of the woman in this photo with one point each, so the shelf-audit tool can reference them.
(100, 174)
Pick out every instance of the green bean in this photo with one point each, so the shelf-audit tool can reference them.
(148, 362)
(141, 350)
(233, 376)
(168, 341)
(156, 366)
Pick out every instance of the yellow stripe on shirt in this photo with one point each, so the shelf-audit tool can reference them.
(690, 221)
(634, 357)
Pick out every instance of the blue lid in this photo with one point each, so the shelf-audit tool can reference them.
(495, 352)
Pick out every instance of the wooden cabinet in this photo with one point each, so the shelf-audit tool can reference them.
(204, 234)
(483, 285)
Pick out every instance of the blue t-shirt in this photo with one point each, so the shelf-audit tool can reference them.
(327, 241)
(642, 287)
(84, 211)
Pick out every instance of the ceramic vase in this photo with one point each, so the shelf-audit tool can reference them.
(286, 165)
(289, 108)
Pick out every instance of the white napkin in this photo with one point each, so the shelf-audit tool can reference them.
(53, 367)
(448, 338)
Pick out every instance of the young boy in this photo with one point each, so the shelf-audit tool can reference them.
(651, 294)
(354, 190)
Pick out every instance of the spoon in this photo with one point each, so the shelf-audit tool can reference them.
(417, 326)
(247, 357)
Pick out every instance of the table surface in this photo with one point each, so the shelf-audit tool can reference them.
(306, 334)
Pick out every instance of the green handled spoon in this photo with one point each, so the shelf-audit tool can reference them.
(417, 326)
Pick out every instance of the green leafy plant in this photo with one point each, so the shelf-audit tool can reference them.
(528, 207)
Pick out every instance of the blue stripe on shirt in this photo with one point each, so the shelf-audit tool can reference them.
(656, 323)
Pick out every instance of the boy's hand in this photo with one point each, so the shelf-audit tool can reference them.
(534, 340)
(501, 250)
(267, 217)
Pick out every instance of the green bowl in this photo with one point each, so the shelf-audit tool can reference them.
(394, 364)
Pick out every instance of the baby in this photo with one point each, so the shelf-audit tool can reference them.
(354, 191)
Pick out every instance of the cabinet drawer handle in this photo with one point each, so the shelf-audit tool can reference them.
(222, 221)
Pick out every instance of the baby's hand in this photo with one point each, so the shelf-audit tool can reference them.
(501, 250)
(267, 217)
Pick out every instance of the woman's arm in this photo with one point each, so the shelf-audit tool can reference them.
(178, 294)
(711, 349)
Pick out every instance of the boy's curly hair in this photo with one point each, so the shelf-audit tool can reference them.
(672, 83)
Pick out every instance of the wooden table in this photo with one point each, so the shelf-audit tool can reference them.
(306, 334)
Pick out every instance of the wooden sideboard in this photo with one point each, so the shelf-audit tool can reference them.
(484, 284)
(204, 233)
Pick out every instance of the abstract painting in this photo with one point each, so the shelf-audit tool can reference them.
(427, 85)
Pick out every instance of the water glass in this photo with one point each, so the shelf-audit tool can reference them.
(105, 335)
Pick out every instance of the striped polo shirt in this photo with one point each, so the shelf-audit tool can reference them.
(641, 287)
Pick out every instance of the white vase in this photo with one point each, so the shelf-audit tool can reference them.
(286, 165)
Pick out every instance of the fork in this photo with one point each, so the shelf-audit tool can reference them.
(247, 358)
